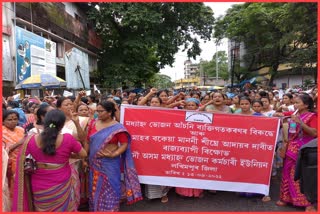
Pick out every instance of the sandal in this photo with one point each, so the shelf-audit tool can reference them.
(266, 198)
(311, 209)
(281, 203)
(164, 199)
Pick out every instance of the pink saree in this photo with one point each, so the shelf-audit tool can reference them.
(47, 189)
(290, 189)
(189, 192)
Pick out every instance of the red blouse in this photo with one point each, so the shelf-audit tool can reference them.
(119, 137)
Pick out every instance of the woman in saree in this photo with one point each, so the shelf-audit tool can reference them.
(306, 130)
(74, 125)
(50, 187)
(235, 103)
(37, 126)
(12, 139)
(30, 113)
(287, 104)
(156, 191)
(109, 152)
(191, 104)
(6, 202)
(163, 96)
(267, 108)
(216, 104)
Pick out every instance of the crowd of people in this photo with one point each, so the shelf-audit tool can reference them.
(82, 152)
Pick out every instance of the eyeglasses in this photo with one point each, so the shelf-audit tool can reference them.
(100, 111)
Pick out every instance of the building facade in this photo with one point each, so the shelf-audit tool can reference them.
(191, 70)
(287, 76)
(193, 76)
(64, 31)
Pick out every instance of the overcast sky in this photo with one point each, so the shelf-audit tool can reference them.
(208, 48)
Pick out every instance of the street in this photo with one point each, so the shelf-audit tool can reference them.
(221, 201)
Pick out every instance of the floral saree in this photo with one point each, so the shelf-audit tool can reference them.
(105, 173)
(290, 189)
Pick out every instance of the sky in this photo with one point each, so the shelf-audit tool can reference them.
(208, 49)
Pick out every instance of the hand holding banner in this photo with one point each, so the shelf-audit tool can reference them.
(200, 149)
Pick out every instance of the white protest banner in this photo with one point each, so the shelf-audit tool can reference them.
(67, 93)
(281, 93)
(96, 89)
(16, 96)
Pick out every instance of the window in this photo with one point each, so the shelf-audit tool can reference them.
(59, 50)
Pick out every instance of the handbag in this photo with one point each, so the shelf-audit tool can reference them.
(29, 164)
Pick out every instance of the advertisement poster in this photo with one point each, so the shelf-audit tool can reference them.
(34, 55)
(201, 150)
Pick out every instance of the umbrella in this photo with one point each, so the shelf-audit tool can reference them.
(42, 80)
(261, 78)
(211, 87)
(253, 80)
(215, 87)
(218, 87)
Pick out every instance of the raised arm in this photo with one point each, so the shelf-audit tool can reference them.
(203, 107)
(172, 99)
(77, 100)
(145, 99)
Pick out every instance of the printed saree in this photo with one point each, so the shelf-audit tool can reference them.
(290, 189)
(105, 173)
(77, 171)
(9, 138)
(59, 197)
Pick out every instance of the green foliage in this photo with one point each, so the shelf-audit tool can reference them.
(160, 81)
(307, 82)
(272, 33)
(141, 38)
(209, 67)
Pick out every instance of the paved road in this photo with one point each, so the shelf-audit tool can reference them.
(221, 201)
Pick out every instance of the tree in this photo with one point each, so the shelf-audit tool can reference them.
(141, 38)
(209, 67)
(272, 33)
(160, 81)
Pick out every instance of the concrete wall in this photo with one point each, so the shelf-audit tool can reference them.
(8, 42)
(291, 80)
